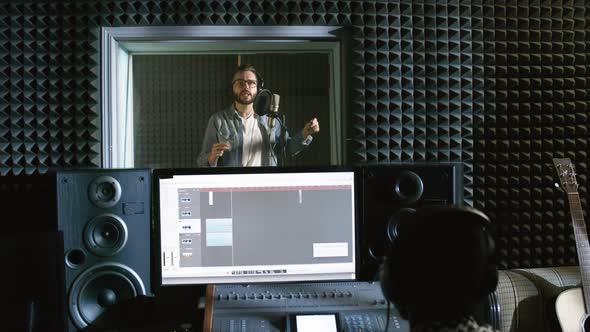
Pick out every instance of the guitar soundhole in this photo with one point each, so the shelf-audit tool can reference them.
(585, 324)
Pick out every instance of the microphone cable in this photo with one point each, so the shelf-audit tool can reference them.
(387, 317)
(282, 141)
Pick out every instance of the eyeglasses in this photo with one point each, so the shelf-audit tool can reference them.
(240, 82)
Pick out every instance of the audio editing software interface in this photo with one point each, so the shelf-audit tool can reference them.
(259, 227)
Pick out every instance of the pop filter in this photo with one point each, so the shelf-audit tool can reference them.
(262, 102)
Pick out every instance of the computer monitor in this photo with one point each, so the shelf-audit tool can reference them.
(255, 225)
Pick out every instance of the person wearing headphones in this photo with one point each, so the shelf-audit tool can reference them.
(237, 136)
(440, 268)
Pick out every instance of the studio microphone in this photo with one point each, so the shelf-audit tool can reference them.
(262, 102)
(274, 110)
(267, 103)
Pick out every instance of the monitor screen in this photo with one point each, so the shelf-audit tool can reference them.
(255, 225)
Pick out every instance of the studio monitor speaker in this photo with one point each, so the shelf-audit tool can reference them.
(389, 191)
(104, 218)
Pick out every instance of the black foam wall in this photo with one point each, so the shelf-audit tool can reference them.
(537, 89)
(501, 86)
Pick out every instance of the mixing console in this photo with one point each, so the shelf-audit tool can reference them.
(358, 306)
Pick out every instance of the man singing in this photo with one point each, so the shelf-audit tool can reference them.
(237, 136)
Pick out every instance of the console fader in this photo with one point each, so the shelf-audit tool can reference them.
(358, 306)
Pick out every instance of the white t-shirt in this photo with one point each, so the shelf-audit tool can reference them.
(252, 147)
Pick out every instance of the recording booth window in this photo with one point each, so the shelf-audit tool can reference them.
(156, 107)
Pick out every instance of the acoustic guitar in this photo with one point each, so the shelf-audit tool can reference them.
(573, 305)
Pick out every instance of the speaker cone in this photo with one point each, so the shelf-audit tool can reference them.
(393, 225)
(104, 191)
(408, 187)
(105, 234)
(101, 287)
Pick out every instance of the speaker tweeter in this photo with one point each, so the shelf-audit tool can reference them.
(104, 191)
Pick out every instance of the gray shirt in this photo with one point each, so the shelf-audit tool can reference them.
(227, 125)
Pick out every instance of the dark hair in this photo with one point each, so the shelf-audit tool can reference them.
(249, 67)
(441, 263)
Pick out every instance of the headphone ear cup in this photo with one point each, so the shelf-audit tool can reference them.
(392, 277)
(394, 283)
(260, 81)
(385, 278)
(490, 277)
(490, 281)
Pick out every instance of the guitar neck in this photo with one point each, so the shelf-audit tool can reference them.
(581, 244)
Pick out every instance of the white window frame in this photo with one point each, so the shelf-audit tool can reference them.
(118, 45)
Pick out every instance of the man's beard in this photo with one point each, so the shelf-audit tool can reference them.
(240, 101)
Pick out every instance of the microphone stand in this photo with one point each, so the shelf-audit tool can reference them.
(262, 107)
(283, 140)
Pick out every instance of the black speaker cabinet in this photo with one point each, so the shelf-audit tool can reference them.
(104, 216)
(389, 191)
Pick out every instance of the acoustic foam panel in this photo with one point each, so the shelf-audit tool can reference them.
(500, 86)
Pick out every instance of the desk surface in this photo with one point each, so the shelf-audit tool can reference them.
(208, 315)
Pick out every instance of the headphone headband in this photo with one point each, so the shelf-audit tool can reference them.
(250, 68)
